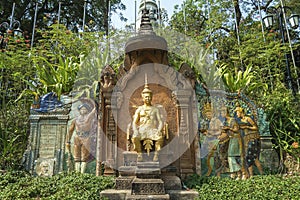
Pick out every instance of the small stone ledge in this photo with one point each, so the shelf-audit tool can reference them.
(171, 195)
(115, 194)
(146, 197)
(182, 194)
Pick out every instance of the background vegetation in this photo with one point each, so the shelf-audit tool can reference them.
(71, 15)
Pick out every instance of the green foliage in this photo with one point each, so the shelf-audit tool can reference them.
(19, 185)
(89, 72)
(13, 134)
(14, 127)
(58, 78)
(283, 112)
(240, 81)
(71, 13)
(262, 187)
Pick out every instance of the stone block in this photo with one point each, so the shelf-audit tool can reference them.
(147, 197)
(169, 171)
(172, 182)
(127, 170)
(183, 194)
(114, 194)
(147, 173)
(147, 186)
(124, 183)
(148, 164)
(130, 158)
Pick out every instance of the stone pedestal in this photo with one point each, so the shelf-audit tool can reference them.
(268, 156)
(146, 180)
(147, 186)
(127, 175)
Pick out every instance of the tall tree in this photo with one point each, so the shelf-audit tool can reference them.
(215, 27)
(71, 15)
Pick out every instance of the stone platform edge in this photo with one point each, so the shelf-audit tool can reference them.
(113, 194)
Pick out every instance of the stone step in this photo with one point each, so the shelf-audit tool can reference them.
(148, 164)
(171, 195)
(114, 194)
(127, 170)
(182, 194)
(148, 173)
(124, 183)
(146, 197)
(147, 187)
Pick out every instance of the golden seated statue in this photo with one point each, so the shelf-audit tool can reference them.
(148, 127)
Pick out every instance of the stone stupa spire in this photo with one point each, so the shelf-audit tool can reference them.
(152, 8)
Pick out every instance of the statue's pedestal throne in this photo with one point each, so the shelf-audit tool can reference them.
(146, 180)
(148, 183)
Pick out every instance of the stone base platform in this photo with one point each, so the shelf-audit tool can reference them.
(182, 194)
(148, 187)
(146, 197)
(171, 195)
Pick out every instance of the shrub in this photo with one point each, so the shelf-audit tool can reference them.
(262, 187)
(21, 185)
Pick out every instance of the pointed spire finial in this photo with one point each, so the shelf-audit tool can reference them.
(146, 26)
(146, 87)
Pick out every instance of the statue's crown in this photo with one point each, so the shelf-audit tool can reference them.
(146, 87)
(207, 107)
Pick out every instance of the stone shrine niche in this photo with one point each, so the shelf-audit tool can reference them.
(146, 54)
(173, 95)
(44, 155)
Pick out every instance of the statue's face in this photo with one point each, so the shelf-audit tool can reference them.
(147, 97)
(208, 115)
(223, 113)
(83, 110)
(239, 113)
(45, 169)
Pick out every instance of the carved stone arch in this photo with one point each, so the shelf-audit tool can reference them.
(146, 57)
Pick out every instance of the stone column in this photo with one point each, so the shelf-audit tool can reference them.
(185, 131)
(268, 156)
(110, 134)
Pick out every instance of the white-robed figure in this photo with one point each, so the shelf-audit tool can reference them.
(147, 126)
